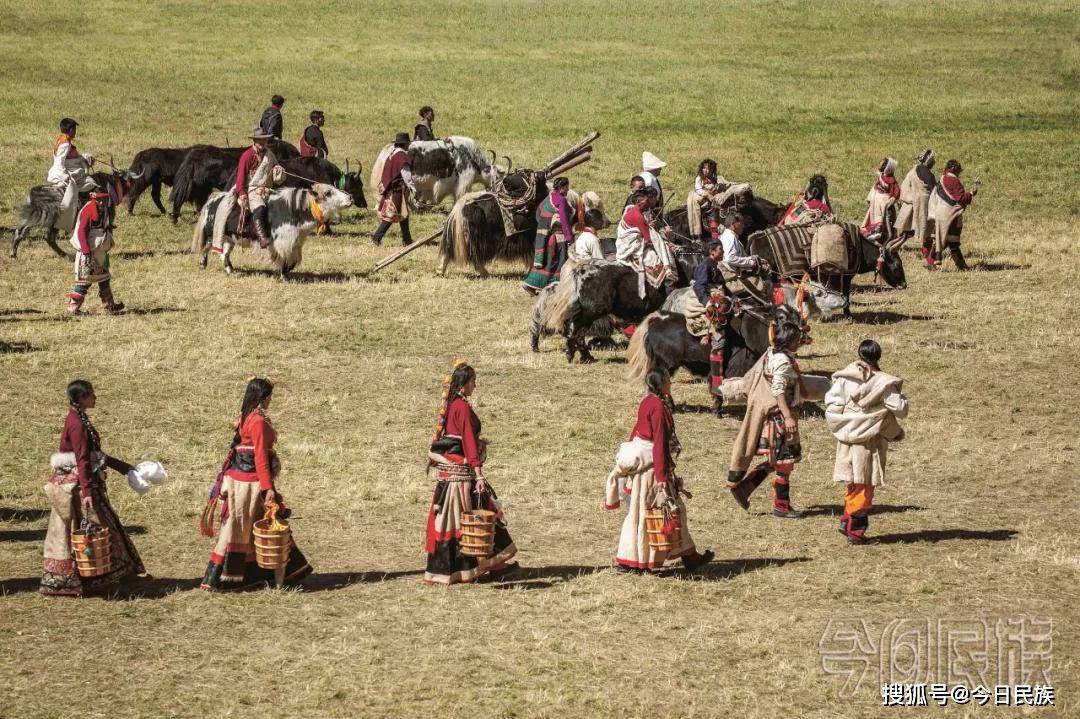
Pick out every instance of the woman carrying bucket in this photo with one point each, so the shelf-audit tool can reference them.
(246, 486)
(655, 530)
(466, 530)
(103, 552)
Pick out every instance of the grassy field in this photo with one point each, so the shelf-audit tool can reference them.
(978, 520)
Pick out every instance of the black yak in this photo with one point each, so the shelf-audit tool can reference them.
(156, 166)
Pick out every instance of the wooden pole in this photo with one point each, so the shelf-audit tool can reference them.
(398, 254)
(576, 149)
(571, 164)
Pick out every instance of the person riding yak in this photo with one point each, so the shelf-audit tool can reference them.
(639, 246)
(70, 166)
(255, 174)
(811, 206)
(313, 142)
(711, 298)
(711, 193)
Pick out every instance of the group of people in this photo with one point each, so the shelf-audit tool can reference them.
(862, 410)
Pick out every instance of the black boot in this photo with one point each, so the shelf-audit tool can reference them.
(406, 234)
(261, 223)
(958, 256)
(742, 488)
(376, 239)
(697, 561)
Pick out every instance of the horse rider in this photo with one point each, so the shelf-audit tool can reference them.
(396, 178)
(69, 166)
(254, 178)
(312, 142)
(271, 121)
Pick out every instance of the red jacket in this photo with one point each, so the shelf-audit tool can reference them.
(887, 185)
(258, 437)
(633, 217)
(461, 421)
(90, 217)
(953, 189)
(248, 162)
(655, 423)
(74, 439)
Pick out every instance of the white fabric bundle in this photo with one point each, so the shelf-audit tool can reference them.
(147, 474)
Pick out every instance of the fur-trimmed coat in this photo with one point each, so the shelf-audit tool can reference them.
(861, 410)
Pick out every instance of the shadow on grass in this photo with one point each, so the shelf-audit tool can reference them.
(137, 588)
(529, 578)
(147, 311)
(140, 254)
(16, 348)
(43, 317)
(933, 536)
(998, 266)
(618, 359)
(885, 317)
(724, 569)
(330, 581)
(21, 311)
(11, 514)
(871, 289)
(836, 510)
(305, 278)
(38, 535)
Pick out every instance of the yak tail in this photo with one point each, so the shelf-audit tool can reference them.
(198, 237)
(181, 189)
(638, 359)
(557, 308)
(455, 239)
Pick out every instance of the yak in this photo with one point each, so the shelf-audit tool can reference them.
(444, 169)
(206, 168)
(43, 207)
(294, 214)
(761, 214)
(156, 166)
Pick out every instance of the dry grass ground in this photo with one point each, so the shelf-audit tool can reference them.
(979, 518)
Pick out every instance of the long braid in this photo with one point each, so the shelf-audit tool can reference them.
(91, 434)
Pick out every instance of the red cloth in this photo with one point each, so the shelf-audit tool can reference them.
(633, 218)
(461, 421)
(257, 432)
(952, 186)
(655, 423)
(887, 185)
(815, 204)
(73, 438)
(391, 172)
(88, 216)
(248, 162)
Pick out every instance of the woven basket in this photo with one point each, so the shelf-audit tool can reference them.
(478, 533)
(273, 539)
(93, 554)
(654, 527)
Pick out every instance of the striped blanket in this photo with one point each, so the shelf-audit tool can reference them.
(790, 246)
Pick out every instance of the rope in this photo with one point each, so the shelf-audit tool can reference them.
(518, 203)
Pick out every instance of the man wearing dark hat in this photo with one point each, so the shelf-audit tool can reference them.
(393, 203)
(271, 121)
(254, 176)
(312, 142)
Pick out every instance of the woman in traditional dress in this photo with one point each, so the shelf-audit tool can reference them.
(771, 425)
(246, 484)
(911, 219)
(881, 203)
(554, 234)
(644, 474)
(948, 204)
(861, 409)
(93, 238)
(76, 490)
(457, 453)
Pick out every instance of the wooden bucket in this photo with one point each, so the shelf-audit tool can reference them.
(273, 539)
(93, 554)
(478, 533)
(654, 527)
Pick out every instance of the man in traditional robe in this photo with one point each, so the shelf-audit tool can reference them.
(554, 234)
(312, 142)
(393, 202)
(912, 217)
(271, 121)
(946, 207)
(69, 166)
(640, 246)
(254, 178)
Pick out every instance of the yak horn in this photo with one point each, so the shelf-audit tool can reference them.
(493, 157)
(346, 166)
(359, 167)
(509, 163)
(132, 176)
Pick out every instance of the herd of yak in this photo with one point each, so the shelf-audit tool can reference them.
(591, 301)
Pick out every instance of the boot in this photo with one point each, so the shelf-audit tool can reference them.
(742, 486)
(697, 560)
(75, 301)
(855, 528)
(716, 372)
(261, 224)
(406, 234)
(782, 500)
(958, 256)
(927, 252)
(109, 304)
(376, 239)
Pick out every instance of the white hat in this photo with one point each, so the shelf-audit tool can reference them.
(650, 161)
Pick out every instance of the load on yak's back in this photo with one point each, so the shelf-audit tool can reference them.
(444, 169)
